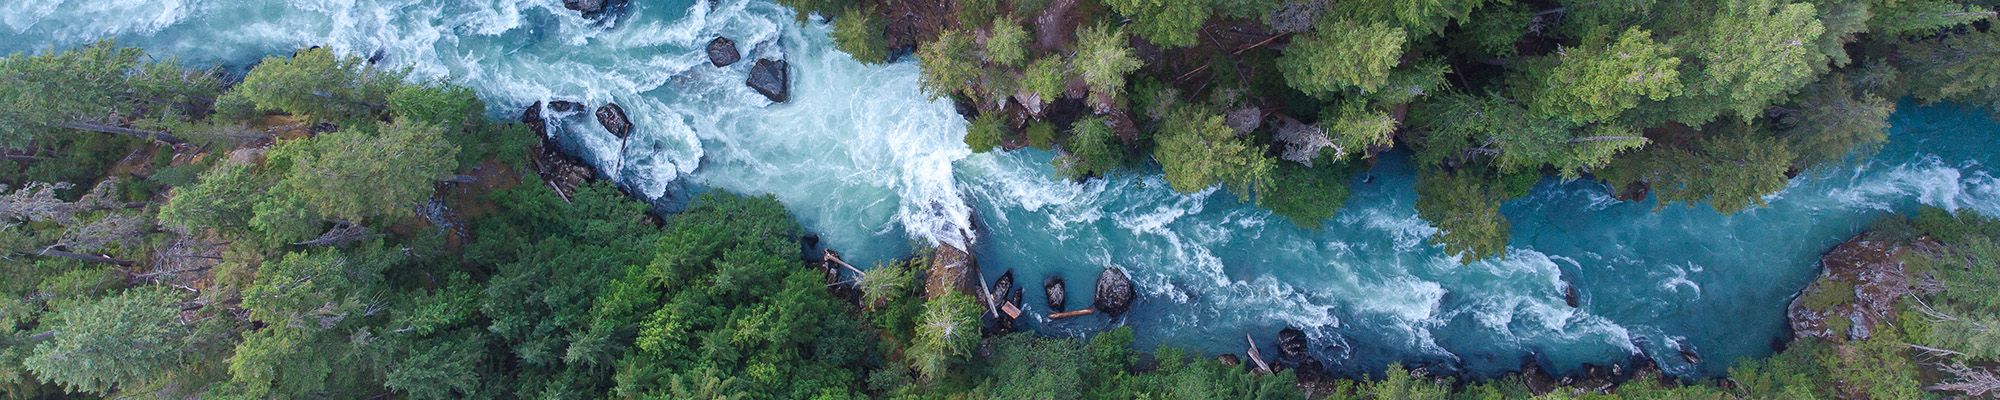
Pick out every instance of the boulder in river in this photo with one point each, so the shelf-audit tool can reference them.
(770, 79)
(1688, 354)
(593, 9)
(1570, 296)
(613, 119)
(1291, 343)
(1003, 286)
(565, 106)
(533, 117)
(1057, 294)
(1114, 291)
(722, 52)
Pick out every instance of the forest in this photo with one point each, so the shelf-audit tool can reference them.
(320, 226)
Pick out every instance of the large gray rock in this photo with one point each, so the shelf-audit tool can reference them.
(613, 119)
(1114, 291)
(1058, 295)
(722, 52)
(770, 79)
(589, 8)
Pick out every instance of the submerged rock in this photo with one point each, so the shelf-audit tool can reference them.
(1056, 294)
(565, 106)
(1688, 354)
(1114, 291)
(770, 79)
(613, 119)
(722, 52)
(1570, 296)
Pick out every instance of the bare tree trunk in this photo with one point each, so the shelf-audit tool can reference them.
(161, 136)
(1602, 138)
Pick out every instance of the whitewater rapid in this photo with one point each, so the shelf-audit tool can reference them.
(866, 160)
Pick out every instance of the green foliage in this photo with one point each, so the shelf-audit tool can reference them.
(1197, 151)
(1921, 17)
(725, 291)
(1047, 78)
(314, 307)
(116, 343)
(1308, 195)
(316, 83)
(1496, 30)
(973, 14)
(1354, 130)
(1041, 135)
(1830, 293)
(1342, 54)
(1092, 150)
(223, 199)
(984, 133)
(95, 82)
(1731, 170)
(948, 66)
(350, 174)
(1027, 367)
(1398, 384)
(1419, 17)
(948, 332)
(1963, 68)
(1832, 124)
(1166, 23)
(890, 281)
(1007, 43)
(1604, 77)
(859, 33)
(1103, 58)
(1465, 126)
(1465, 209)
(1752, 53)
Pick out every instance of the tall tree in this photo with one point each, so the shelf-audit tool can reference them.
(1465, 209)
(1602, 77)
(116, 343)
(1752, 53)
(1103, 58)
(99, 88)
(316, 83)
(1830, 123)
(1198, 151)
(1964, 67)
(351, 174)
(1167, 23)
(1342, 54)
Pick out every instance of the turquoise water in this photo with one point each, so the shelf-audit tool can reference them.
(866, 160)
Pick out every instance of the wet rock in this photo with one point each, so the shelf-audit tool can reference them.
(1291, 343)
(613, 119)
(1689, 355)
(722, 52)
(1057, 295)
(1570, 296)
(1229, 360)
(1538, 380)
(1004, 286)
(533, 117)
(1871, 269)
(1114, 292)
(770, 79)
(593, 9)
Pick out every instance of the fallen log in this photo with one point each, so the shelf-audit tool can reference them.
(1077, 313)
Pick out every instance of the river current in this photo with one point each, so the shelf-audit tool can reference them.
(866, 160)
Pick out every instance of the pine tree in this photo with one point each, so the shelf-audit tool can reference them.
(1341, 55)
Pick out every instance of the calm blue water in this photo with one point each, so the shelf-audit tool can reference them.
(863, 158)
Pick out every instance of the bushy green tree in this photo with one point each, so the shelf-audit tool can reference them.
(1732, 169)
(117, 343)
(1197, 151)
(1465, 209)
(984, 133)
(1922, 17)
(1047, 78)
(1752, 53)
(1308, 195)
(1603, 77)
(1167, 23)
(1092, 150)
(948, 66)
(1963, 67)
(351, 174)
(946, 334)
(859, 33)
(1103, 58)
(1342, 54)
(84, 88)
(1465, 127)
(316, 83)
(1007, 43)
(1831, 123)
(1419, 17)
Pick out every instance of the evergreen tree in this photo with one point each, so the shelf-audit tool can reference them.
(1197, 151)
(1342, 54)
(318, 84)
(1465, 209)
(859, 33)
(118, 344)
(1103, 58)
(90, 88)
(1167, 23)
(1603, 77)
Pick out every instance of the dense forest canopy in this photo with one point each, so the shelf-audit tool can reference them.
(324, 227)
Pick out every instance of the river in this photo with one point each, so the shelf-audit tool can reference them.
(864, 159)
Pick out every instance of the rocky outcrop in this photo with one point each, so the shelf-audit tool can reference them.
(770, 79)
(1057, 295)
(1114, 292)
(594, 9)
(722, 52)
(1635, 191)
(1856, 290)
(613, 118)
(1291, 343)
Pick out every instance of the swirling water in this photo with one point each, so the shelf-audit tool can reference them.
(862, 157)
